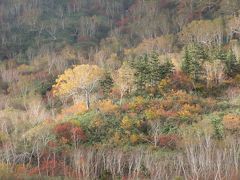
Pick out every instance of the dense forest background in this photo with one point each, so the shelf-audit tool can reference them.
(119, 89)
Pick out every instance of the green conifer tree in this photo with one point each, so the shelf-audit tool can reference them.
(106, 84)
(232, 65)
(150, 71)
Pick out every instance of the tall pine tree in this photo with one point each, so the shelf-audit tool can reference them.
(232, 65)
(194, 56)
(150, 71)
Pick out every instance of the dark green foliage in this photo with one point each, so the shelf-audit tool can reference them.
(150, 71)
(218, 53)
(232, 65)
(142, 72)
(105, 175)
(98, 133)
(45, 86)
(218, 127)
(194, 56)
(106, 84)
(169, 128)
(186, 62)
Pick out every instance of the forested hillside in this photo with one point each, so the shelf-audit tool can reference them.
(120, 89)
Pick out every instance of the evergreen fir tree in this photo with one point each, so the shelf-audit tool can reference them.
(221, 54)
(142, 72)
(193, 59)
(106, 84)
(150, 71)
(232, 65)
(186, 62)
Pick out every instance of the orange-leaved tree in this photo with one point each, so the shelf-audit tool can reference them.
(81, 79)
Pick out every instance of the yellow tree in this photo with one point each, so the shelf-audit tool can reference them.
(124, 79)
(81, 79)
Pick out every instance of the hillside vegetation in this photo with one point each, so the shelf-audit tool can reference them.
(119, 89)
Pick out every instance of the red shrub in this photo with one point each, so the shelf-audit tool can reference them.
(68, 132)
(125, 107)
(180, 81)
(168, 140)
(63, 130)
(51, 167)
(52, 144)
(77, 134)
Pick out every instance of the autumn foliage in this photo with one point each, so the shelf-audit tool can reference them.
(81, 79)
(78, 108)
(69, 133)
(120, 89)
(107, 106)
(231, 122)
